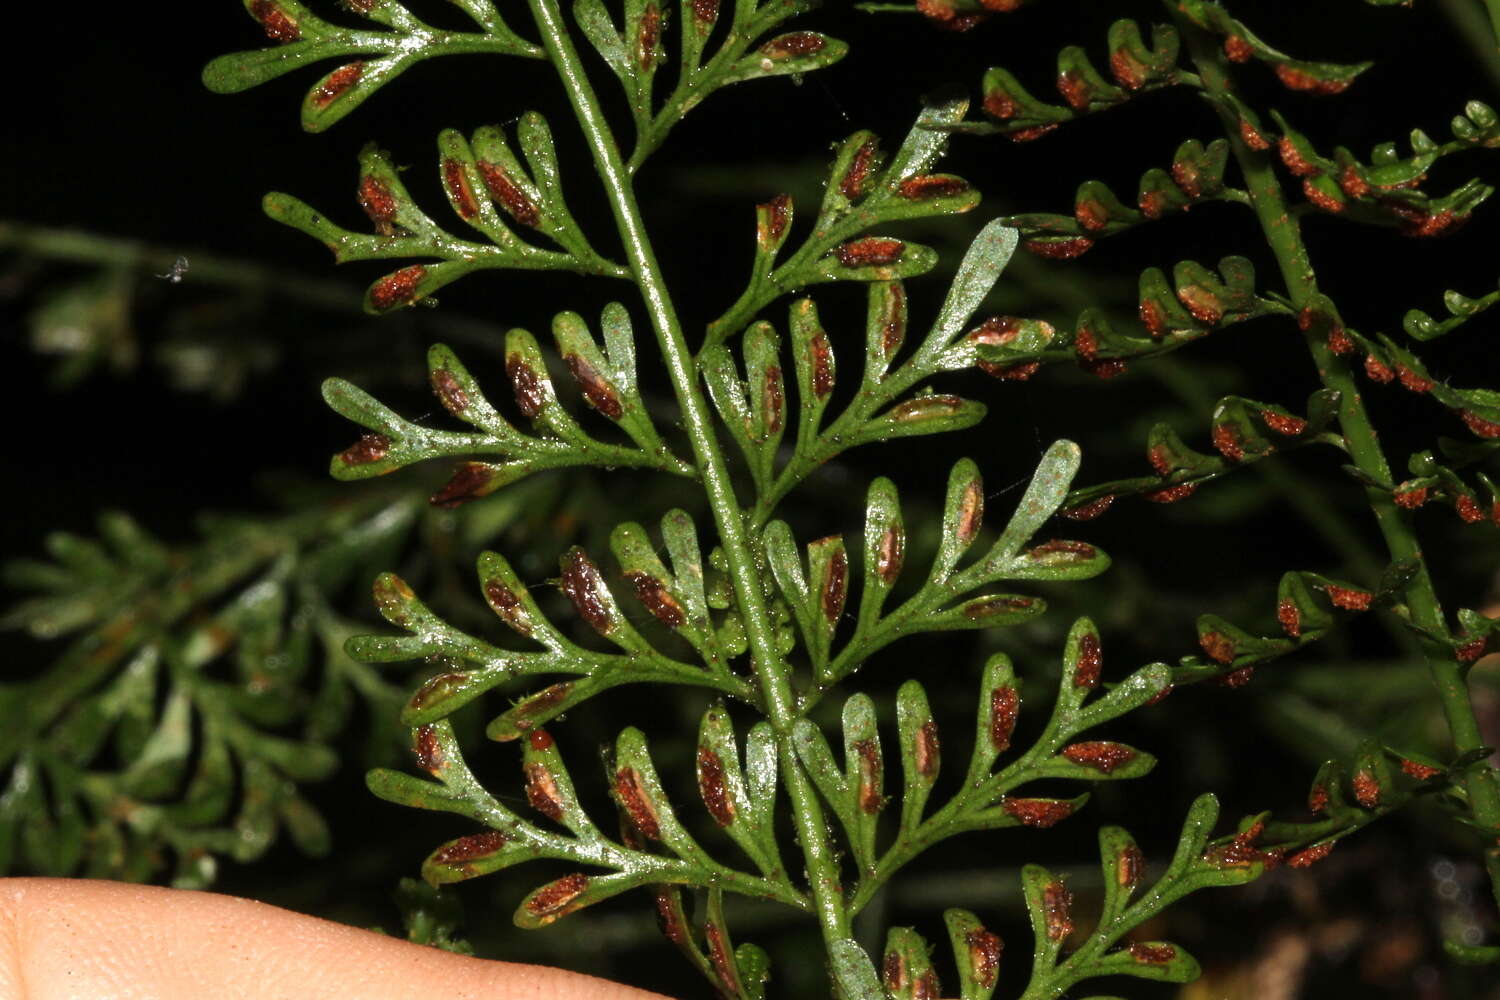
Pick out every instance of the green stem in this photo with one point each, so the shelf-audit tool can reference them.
(770, 668)
(1479, 779)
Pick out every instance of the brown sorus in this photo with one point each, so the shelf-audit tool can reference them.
(776, 212)
(926, 407)
(1297, 164)
(1322, 199)
(1089, 511)
(1366, 789)
(531, 394)
(460, 191)
(1238, 49)
(468, 482)
(539, 740)
(1057, 903)
(397, 288)
(718, 953)
(1129, 867)
(870, 799)
(1472, 650)
(449, 392)
(1103, 368)
(1202, 303)
(1058, 249)
(893, 323)
(1296, 79)
(464, 849)
(669, 916)
(1283, 423)
(511, 196)
(1161, 460)
(985, 948)
(1236, 678)
(772, 399)
(278, 24)
(1153, 317)
(337, 83)
(1074, 89)
(1311, 855)
(893, 972)
(890, 554)
(1085, 343)
(524, 712)
(1185, 175)
(999, 104)
(508, 606)
(970, 511)
(1317, 798)
(1101, 755)
(821, 352)
(597, 392)
(1031, 134)
(798, 43)
(1226, 438)
(1290, 617)
(369, 448)
(553, 898)
(1353, 182)
(835, 586)
(1152, 954)
(1252, 137)
(927, 750)
(1217, 646)
(379, 204)
(1411, 498)
(429, 753)
(713, 786)
(1019, 372)
(705, 12)
(1171, 494)
(1040, 813)
(926, 987)
(1468, 509)
(871, 251)
(924, 186)
(1377, 370)
(1090, 661)
(1480, 426)
(657, 598)
(584, 586)
(1348, 598)
(1422, 772)
(856, 180)
(1091, 214)
(649, 38)
(1062, 546)
(1340, 342)
(1129, 72)
(633, 799)
(1005, 704)
(541, 791)
(985, 607)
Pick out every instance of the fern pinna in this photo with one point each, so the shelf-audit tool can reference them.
(769, 624)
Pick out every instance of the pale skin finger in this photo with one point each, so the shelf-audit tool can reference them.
(83, 939)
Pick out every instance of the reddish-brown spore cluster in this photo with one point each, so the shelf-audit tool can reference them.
(470, 481)
(1350, 599)
(1101, 755)
(1040, 813)
(632, 797)
(428, 751)
(835, 586)
(1296, 79)
(871, 251)
(1057, 910)
(597, 392)
(397, 288)
(1366, 789)
(369, 448)
(798, 43)
(584, 585)
(985, 949)
(1312, 855)
(927, 751)
(891, 554)
(379, 204)
(713, 787)
(1058, 249)
(1290, 617)
(278, 24)
(1152, 954)
(508, 606)
(857, 178)
(465, 849)
(531, 395)
(337, 83)
(511, 196)
(1090, 661)
(658, 600)
(1005, 704)
(1217, 646)
(552, 899)
(924, 186)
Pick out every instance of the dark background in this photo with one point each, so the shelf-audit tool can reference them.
(115, 135)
